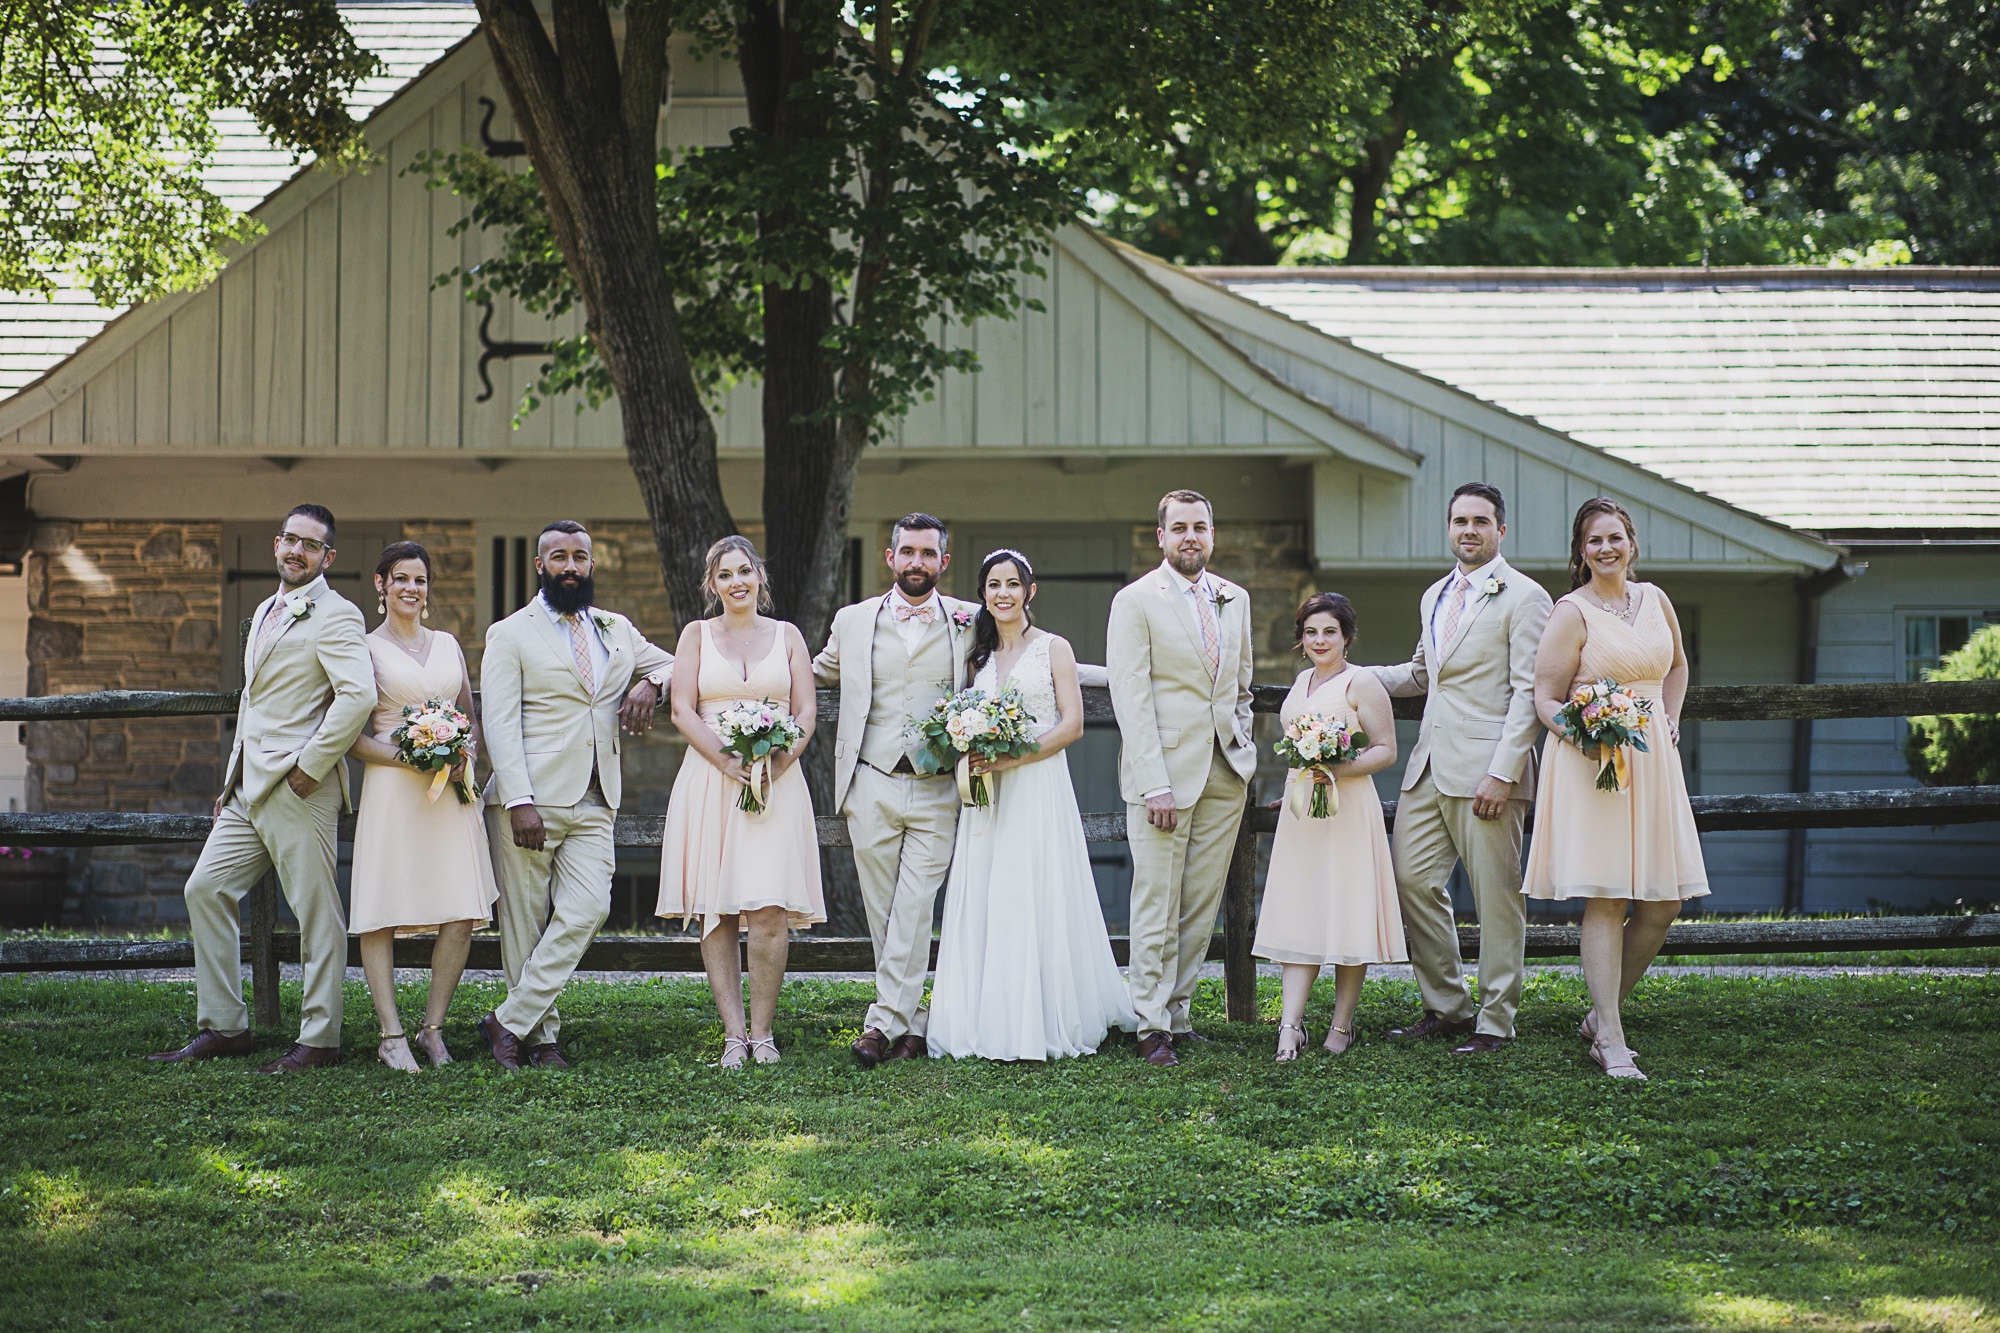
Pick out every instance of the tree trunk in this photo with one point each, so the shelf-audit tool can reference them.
(1245, 242)
(1370, 178)
(591, 127)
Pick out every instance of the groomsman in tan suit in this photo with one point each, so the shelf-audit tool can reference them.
(1179, 651)
(893, 658)
(1470, 775)
(308, 690)
(558, 678)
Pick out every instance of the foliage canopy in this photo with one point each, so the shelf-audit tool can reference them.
(1959, 749)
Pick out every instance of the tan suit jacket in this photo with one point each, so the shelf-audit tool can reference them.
(1171, 712)
(1478, 688)
(306, 696)
(848, 661)
(544, 733)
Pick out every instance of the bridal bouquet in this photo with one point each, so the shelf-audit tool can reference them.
(1604, 715)
(973, 724)
(755, 732)
(434, 737)
(1315, 742)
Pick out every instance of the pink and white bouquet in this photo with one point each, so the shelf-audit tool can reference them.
(434, 737)
(1314, 743)
(1604, 715)
(756, 731)
(969, 725)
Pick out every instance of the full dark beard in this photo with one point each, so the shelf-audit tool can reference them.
(916, 583)
(568, 595)
(1187, 563)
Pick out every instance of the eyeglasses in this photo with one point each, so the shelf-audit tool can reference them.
(287, 540)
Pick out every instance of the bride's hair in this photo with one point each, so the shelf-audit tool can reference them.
(985, 629)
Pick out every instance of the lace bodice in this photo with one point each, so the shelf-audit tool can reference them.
(1033, 678)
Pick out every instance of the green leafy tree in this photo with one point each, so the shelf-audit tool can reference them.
(110, 123)
(1962, 748)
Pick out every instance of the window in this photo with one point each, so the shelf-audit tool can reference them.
(1929, 637)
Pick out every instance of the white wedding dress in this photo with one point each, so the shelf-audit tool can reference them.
(1024, 969)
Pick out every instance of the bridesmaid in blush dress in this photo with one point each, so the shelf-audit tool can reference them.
(1634, 849)
(1330, 891)
(734, 870)
(419, 865)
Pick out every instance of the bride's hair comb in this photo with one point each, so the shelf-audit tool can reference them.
(1007, 553)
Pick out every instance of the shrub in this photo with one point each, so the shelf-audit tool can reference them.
(1960, 748)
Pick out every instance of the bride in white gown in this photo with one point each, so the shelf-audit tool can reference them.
(1024, 968)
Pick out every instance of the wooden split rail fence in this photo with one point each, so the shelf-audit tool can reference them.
(266, 947)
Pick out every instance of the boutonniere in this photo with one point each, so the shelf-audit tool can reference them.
(603, 621)
(962, 618)
(1221, 599)
(1493, 587)
(298, 606)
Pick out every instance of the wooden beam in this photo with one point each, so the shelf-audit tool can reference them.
(811, 953)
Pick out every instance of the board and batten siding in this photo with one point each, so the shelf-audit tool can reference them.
(1861, 626)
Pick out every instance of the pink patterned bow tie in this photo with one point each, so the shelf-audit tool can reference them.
(904, 611)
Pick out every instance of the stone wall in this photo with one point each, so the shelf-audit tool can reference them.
(125, 605)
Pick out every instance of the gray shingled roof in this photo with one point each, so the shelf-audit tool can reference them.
(35, 334)
(1828, 399)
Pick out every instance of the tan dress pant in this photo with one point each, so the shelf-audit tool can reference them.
(903, 830)
(297, 836)
(1434, 832)
(1177, 882)
(551, 905)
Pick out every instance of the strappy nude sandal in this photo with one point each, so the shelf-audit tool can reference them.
(394, 1051)
(439, 1055)
(1347, 1032)
(733, 1051)
(759, 1046)
(1588, 1031)
(1287, 1054)
(1617, 1062)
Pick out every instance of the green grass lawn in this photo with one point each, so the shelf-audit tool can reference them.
(1810, 1154)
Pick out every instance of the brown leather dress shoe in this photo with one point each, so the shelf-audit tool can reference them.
(871, 1048)
(302, 1056)
(544, 1055)
(207, 1045)
(505, 1046)
(1430, 1025)
(1481, 1043)
(1157, 1048)
(909, 1046)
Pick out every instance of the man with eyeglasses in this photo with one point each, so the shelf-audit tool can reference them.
(308, 690)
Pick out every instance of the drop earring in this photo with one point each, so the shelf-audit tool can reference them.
(381, 606)
(427, 610)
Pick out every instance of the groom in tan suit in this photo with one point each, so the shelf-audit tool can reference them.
(1470, 776)
(559, 678)
(893, 658)
(1179, 651)
(308, 690)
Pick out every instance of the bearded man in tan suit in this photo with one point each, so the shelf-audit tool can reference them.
(1179, 651)
(893, 658)
(1470, 775)
(308, 690)
(560, 677)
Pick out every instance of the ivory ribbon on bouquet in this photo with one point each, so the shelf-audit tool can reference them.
(973, 786)
(437, 783)
(760, 787)
(1299, 791)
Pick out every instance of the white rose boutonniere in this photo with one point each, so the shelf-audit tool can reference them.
(1221, 599)
(298, 606)
(1493, 587)
(603, 621)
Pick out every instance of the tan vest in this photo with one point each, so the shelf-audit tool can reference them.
(903, 685)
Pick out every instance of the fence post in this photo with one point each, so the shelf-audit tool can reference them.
(1239, 927)
(264, 951)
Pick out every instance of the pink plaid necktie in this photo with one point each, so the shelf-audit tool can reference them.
(580, 651)
(1211, 641)
(1455, 608)
(270, 626)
